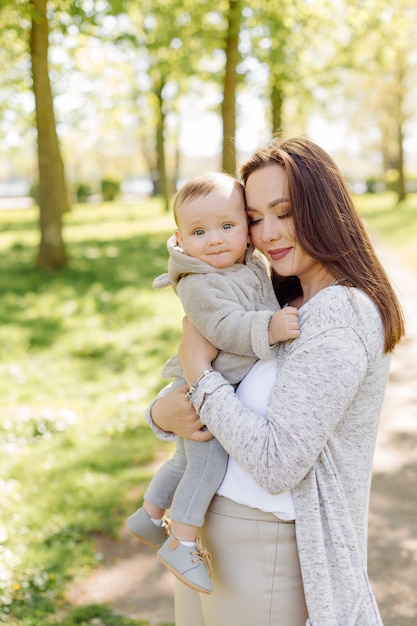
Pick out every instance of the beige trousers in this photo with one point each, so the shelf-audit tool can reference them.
(256, 572)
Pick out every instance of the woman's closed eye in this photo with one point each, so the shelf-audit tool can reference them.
(253, 221)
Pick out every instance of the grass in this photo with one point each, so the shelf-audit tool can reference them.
(80, 357)
(394, 223)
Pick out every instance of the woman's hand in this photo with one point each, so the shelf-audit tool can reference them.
(172, 413)
(195, 352)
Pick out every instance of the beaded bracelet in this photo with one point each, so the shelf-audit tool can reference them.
(194, 385)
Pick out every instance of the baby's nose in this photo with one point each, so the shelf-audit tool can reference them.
(215, 239)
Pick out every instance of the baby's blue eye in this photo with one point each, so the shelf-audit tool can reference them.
(199, 231)
(227, 226)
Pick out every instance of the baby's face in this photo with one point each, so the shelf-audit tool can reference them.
(214, 228)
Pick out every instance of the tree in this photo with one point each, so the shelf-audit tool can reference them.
(53, 199)
(28, 22)
(228, 109)
(378, 77)
(177, 41)
(163, 35)
(395, 66)
(289, 40)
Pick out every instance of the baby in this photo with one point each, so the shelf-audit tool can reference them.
(226, 292)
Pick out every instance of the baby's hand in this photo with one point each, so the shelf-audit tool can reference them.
(284, 325)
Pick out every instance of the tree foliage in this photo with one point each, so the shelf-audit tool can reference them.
(377, 75)
(179, 43)
(393, 68)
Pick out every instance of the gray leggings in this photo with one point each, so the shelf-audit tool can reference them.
(189, 480)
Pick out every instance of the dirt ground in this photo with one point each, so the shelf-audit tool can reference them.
(393, 506)
(135, 584)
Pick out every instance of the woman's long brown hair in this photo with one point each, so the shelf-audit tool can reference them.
(328, 227)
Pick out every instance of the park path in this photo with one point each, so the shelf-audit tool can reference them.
(133, 582)
(393, 506)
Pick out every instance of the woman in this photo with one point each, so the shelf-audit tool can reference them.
(288, 528)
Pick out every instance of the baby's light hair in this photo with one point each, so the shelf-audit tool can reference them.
(201, 185)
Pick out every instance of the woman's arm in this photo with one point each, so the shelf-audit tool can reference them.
(311, 394)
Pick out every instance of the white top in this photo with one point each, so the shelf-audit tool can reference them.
(238, 485)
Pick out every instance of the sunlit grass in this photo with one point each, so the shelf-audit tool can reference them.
(62, 334)
(395, 224)
(80, 357)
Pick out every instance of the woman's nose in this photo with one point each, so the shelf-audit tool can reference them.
(270, 228)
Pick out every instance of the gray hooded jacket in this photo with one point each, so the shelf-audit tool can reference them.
(231, 307)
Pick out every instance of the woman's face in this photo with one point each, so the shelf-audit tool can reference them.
(271, 223)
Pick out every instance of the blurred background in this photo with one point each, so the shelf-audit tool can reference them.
(106, 107)
(134, 97)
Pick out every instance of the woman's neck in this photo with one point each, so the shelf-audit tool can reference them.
(311, 287)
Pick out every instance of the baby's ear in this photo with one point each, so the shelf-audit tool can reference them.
(179, 239)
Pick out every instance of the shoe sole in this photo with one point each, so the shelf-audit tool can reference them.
(182, 579)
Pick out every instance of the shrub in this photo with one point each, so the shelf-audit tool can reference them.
(110, 189)
(83, 191)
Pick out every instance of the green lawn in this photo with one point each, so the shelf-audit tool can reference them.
(80, 358)
(396, 224)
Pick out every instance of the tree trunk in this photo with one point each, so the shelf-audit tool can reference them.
(53, 199)
(400, 134)
(160, 147)
(230, 82)
(277, 101)
(400, 166)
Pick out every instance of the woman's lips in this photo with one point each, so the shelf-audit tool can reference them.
(279, 253)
